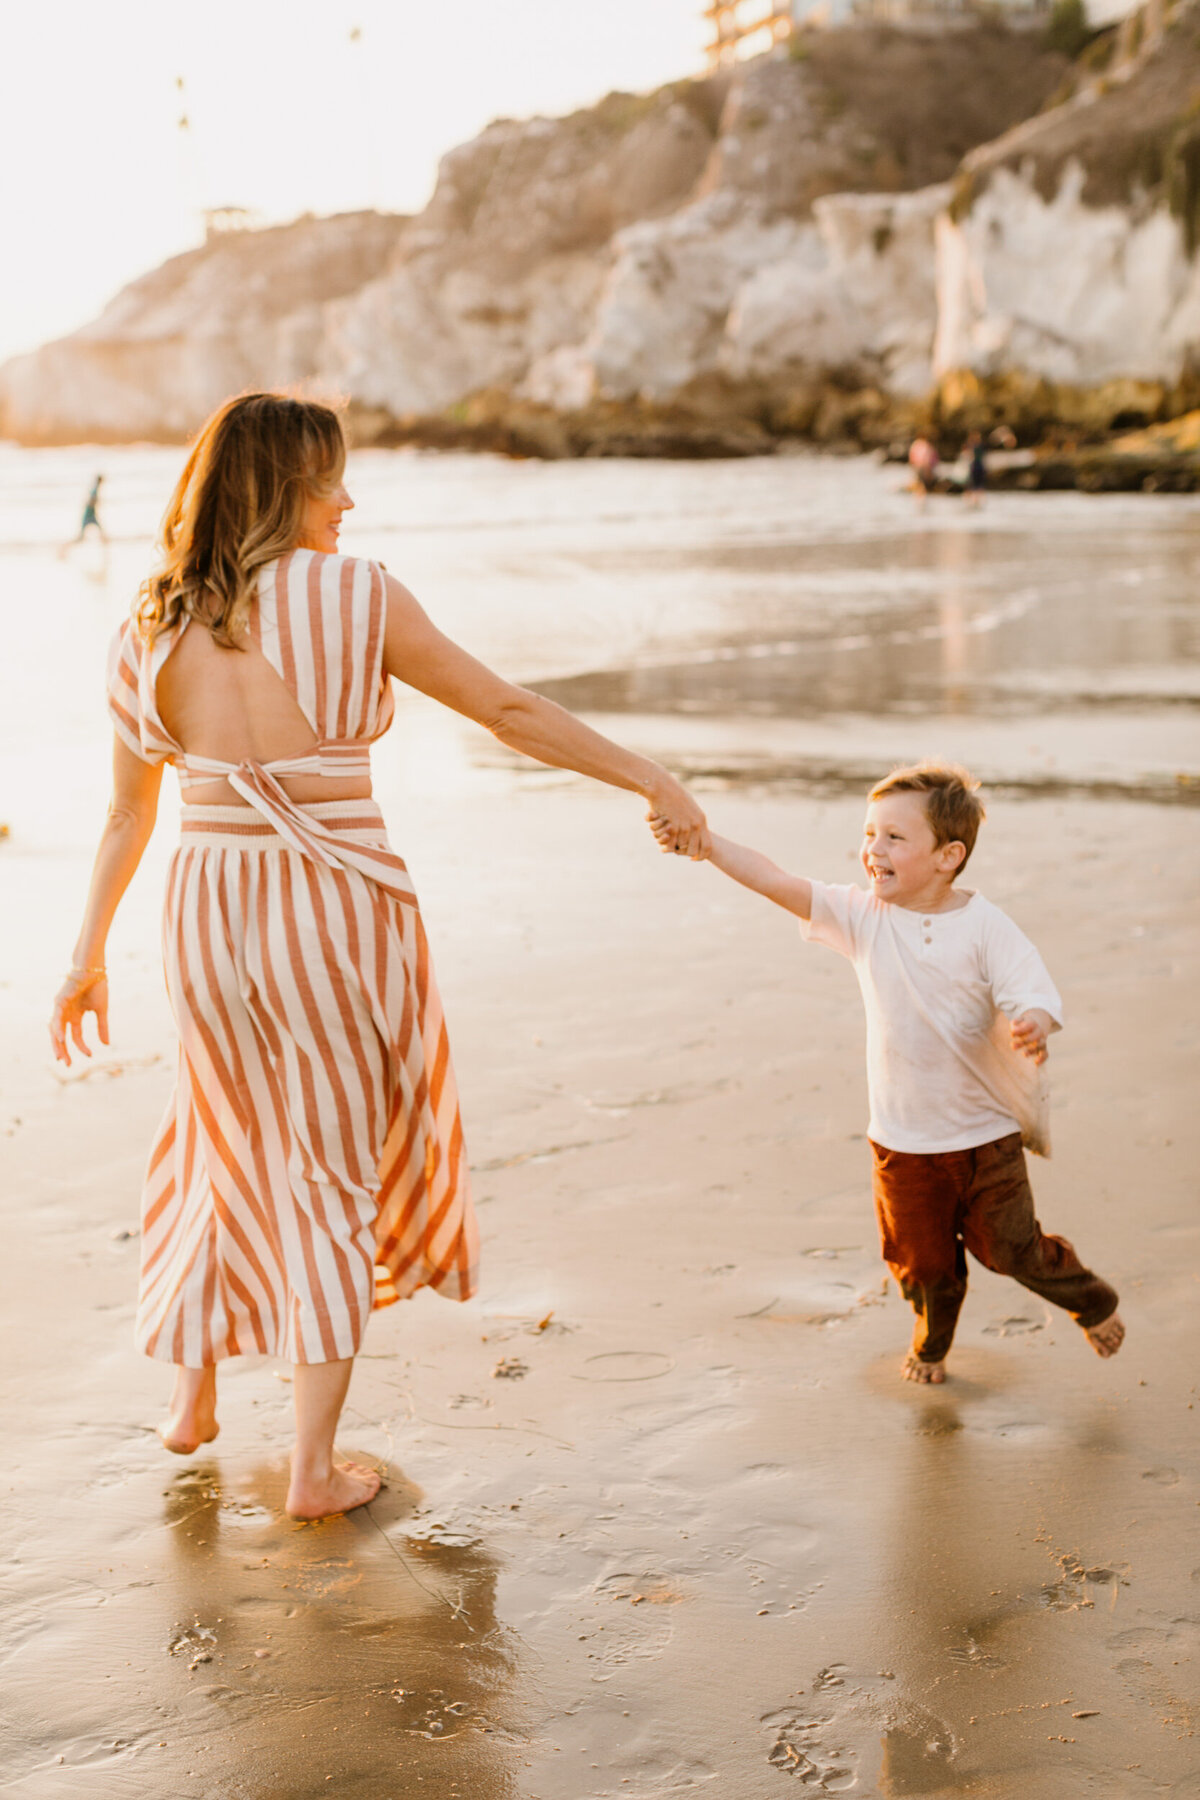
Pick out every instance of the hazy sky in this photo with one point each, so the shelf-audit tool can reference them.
(287, 113)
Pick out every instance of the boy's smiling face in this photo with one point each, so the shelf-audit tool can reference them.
(904, 865)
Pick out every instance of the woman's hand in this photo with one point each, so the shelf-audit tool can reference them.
(78, 996)
(677, 822)
(126, 833)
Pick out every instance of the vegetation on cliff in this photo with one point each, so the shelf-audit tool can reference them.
(1132, 126)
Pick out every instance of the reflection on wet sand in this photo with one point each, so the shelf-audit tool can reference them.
(205, 1647)
(993, 1658)
(939, 1567)
(961, 622)
(346, 1652)
(979, 1635)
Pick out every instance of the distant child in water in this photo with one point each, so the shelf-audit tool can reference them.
(959, 1007)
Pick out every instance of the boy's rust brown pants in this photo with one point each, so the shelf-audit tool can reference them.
(933, 1209)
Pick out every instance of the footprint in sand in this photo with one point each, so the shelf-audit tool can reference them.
(826, 1748)
(196, 1641)
(638, 1590)
(641, 1639)
(800, 1750)
(1072, 1592)
(975, 1657)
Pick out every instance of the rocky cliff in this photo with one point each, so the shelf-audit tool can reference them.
(249, 309)
(1066, 259)
(802, 246)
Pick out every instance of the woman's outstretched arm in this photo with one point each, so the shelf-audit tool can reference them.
(127, 829)
(416, 652)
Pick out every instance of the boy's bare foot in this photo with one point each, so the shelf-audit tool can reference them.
(913, 1369)
(192, 1416)
(1106, 1338)
(346, 1486)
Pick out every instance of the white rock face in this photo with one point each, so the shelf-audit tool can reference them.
(663, 314)
(422, 336)
(1074, 293)
(859, 288)
(721, 288)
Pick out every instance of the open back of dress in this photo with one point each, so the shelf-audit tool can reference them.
(227, 706)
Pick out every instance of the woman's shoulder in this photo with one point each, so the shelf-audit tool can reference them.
(308, 599)
(303, 585)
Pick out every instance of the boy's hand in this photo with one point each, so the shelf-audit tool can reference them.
(1029, 1034)
(695, 844)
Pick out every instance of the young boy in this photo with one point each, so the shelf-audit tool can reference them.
(959, 1007)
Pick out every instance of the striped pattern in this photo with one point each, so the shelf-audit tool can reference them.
(311, 1164)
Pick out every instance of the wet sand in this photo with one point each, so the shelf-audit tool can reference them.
(660, 1517)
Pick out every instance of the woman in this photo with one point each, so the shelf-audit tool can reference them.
(310, 1164)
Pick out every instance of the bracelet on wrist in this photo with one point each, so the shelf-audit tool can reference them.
(75, 973)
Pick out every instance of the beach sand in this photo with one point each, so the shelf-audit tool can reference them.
(660, 1517)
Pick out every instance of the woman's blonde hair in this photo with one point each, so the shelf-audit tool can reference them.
(237, 506)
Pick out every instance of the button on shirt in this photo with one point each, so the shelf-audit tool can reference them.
(939, 991)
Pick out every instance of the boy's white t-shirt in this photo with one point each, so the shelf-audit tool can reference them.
(939, 990)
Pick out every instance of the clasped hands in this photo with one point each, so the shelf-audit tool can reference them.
(678, 824)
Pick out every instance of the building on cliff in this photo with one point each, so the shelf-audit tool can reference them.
(744, 28)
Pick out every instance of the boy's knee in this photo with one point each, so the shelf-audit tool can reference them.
(1007, 1259)
(928, 1275)
(1037, 1254)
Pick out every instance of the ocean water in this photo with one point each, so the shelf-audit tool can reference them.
(744, 606)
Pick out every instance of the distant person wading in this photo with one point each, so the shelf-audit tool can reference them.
(91, 517)
(310, 1165)
(923, 461)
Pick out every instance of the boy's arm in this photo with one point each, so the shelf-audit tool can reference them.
(756, 871)
(1021, 987)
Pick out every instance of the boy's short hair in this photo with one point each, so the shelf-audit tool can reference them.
(952, 804)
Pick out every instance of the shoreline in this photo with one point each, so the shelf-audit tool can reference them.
(1121, 436)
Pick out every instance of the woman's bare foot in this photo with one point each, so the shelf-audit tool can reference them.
(192, 1416)
(1106, 1338)
(319, 1497)
(913, 1369)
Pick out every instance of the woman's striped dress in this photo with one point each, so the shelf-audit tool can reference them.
(310, 1164)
